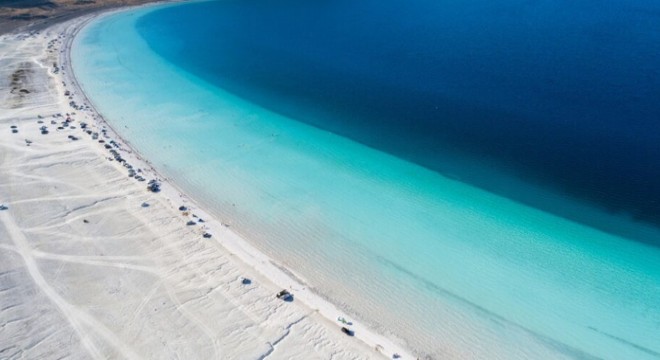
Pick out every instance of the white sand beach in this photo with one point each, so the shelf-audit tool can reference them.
(92, 265)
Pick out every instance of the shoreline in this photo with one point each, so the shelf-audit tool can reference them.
(222, 236)
(277, 273)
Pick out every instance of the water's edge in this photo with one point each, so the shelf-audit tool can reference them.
(230, 239)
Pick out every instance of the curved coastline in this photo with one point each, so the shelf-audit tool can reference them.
(276, 273)
(88, 270)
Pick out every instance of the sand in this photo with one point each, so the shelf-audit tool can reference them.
(92, 265)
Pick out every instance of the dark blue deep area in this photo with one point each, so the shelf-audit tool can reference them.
(561, 93)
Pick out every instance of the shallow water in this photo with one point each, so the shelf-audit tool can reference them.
(449, 268)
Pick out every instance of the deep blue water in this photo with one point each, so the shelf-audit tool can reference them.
(563, 93)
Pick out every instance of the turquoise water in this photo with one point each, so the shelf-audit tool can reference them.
(450, 269)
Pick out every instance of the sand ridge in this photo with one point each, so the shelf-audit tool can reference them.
(92, 265)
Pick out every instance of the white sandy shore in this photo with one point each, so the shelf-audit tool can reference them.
(87, 272)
